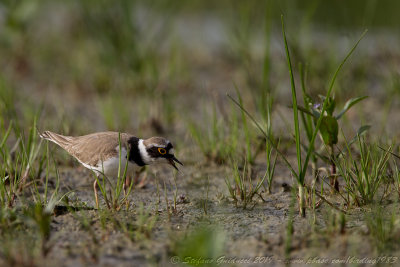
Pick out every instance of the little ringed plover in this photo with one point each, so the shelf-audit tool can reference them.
(100, 152)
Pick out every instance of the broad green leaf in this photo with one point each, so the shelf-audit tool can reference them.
(329, 130)
(349, 104)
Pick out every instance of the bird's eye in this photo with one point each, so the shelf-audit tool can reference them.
(162, 151)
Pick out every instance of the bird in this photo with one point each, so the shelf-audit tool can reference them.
(102, 152)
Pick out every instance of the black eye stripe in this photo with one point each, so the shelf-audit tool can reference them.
(154, 153)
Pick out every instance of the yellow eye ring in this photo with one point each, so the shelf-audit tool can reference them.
(162, 151)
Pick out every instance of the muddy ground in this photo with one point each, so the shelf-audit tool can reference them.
(255, 236)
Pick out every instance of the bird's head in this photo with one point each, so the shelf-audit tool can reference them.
(158, 150)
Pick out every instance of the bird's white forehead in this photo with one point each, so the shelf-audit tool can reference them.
(171, 151)
(154, 144)
(158, 144)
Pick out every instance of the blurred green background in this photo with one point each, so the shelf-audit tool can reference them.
(139, 65)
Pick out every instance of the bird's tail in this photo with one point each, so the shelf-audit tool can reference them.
(61, 140)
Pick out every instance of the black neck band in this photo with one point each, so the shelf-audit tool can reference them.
(134, 153)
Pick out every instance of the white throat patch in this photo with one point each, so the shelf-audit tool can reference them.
(143, 153)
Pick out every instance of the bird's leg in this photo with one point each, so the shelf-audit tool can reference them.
(140, 183)
(127, 184)
(95, 193)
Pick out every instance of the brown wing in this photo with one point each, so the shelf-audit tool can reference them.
(94, 148)
(91, 148)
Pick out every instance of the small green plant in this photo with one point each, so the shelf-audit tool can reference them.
(319, 125)
(139, 227)
(329, 129)
(363, 176)
(244, 189)
(20, 163)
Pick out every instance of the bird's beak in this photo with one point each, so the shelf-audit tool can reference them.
(172, 161)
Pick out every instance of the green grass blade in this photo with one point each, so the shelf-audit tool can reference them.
(295, 111)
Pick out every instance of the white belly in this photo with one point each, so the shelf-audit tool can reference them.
(111, 166)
